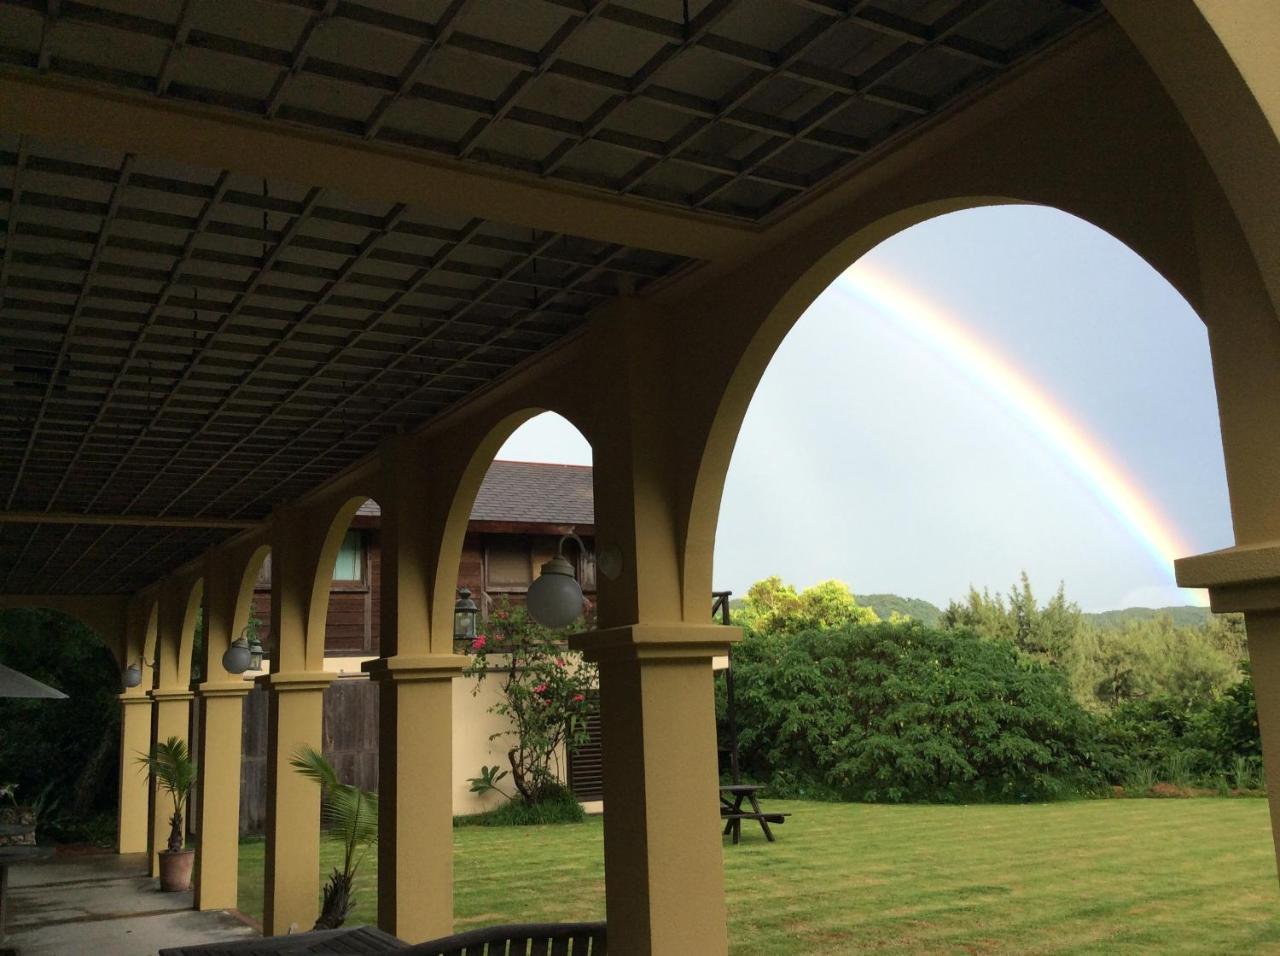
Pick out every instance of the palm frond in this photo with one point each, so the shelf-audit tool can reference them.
(311, 764)
(170, 763)
(352, 812)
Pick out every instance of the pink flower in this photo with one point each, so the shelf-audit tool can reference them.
(501, 615)
(578, 698)
(479, 643)
(560, 662)
(540, 689)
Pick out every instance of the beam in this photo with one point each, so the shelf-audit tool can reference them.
(135, 521)
(57, 110)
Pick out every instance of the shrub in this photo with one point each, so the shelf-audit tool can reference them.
(557, 805)
(546, 692)
(894, 712)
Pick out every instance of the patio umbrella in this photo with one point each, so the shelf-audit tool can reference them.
(16, 684)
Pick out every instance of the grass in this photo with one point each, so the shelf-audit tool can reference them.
(1103, 876)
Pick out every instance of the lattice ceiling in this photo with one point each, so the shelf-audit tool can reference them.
(734, 107)
(184, 342)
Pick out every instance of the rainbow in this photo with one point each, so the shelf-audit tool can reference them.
(1094, 464)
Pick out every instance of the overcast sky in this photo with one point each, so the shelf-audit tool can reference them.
(874, 453)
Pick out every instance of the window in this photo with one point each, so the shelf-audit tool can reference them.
(349, 565)
(508, 566)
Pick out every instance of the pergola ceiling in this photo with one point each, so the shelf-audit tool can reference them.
(194, 343)
(731, 107)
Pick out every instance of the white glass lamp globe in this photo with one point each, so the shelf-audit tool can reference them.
(555, 598)
(132, 675)
(236, 659)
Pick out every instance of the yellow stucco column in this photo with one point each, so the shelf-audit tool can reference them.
(171, 717)
(214, 877)
(664, 875)
(133, 821)
(415, 794)
(295, 718)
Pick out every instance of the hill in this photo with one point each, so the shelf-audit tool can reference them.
(928, 613)
(885, 605)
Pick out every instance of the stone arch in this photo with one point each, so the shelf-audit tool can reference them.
(464, 476)
(178, 608)
(320, 567)
(778, 313)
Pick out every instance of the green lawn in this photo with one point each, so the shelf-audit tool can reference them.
(1105, 876)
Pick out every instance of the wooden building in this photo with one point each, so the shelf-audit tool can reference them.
(517, 521)
(518, 518)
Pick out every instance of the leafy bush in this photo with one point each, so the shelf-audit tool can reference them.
(905, 712)
(546, 690)
(557, 805)
(68, 750)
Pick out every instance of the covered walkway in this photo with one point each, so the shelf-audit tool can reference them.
(105, 905)
(266, 261)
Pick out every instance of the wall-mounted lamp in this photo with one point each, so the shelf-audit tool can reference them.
(555, 598)
(133, 673)
(464, 616)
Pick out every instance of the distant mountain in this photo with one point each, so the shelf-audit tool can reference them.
(927, 613)
(885, 605)
(1186, 616)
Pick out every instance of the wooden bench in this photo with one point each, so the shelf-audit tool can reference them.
(522, 939)
(518, 939)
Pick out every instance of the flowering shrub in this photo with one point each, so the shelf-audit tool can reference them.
(544, 696)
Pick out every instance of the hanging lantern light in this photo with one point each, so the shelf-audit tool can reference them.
(237, 659)
(555, 598)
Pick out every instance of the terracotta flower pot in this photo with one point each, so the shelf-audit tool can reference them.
(175, 870)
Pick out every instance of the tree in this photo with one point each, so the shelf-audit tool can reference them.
(774, 607)
(170, 763)
(545, 695)
(1046, 633)
(351, 813)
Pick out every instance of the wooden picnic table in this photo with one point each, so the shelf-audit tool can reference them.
(732, 812)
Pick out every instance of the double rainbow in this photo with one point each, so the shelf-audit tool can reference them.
(1093, 463)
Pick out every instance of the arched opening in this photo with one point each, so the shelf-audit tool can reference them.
(992, 391)
(530, 485)
(65, 762)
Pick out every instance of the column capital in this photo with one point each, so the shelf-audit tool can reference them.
(134, 698)
(224, 688)
(1245, 577)
(655, 642)
(298, 680)
(172, 694)
(401, 668)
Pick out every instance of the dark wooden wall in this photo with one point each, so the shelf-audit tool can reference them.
(350, 744)
(352, 626)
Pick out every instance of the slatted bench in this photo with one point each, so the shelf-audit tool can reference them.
(519, 939)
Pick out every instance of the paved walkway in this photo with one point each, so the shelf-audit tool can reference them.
(104, 905)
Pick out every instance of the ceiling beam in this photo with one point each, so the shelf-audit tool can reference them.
(57, 110)
(135, 521)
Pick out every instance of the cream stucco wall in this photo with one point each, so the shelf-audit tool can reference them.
(472, 726)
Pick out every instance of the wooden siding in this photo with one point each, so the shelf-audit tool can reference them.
(350, 744)
(353, 621)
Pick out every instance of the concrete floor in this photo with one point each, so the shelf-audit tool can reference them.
(104, 905)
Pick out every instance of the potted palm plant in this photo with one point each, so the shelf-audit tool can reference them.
(351, 814)
(170, 764)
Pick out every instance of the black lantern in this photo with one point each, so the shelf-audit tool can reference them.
(464, 616)
(255, 651)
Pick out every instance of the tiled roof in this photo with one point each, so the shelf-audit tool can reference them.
(529, 491)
